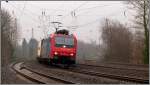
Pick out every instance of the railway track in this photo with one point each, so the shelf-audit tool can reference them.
(81, 74)
(37, 77)
(132, 75)
(120, 66)
(129, 64)
(77, 77)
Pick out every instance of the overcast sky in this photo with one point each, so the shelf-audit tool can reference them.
(88, 16)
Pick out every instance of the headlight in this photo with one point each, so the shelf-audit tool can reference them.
(55, 53)
(64, 46)
(71, 54)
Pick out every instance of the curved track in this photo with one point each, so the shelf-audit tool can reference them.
(37, 77)
(75, 76)
(41, 73)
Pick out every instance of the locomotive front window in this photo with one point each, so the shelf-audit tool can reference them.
(61, 41)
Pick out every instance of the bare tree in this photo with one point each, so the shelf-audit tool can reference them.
(117, 41)
(137, 48)
(6, 23)
(32, 48)
(25, 49)
(141, 21)
(9, 26)
(8, 34)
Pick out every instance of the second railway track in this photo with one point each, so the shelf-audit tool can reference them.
(114, 73)
(83, 74)
(74, 76)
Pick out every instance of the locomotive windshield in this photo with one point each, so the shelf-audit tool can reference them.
(61, 41)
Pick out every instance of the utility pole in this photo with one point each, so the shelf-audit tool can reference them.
(16, 27)
(110, 37)
(32, 32)
(44, 23)
(74, 21)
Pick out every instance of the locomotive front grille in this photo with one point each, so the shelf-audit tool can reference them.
(63, 60)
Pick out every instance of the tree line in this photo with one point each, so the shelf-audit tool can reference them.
(9, 35)
(119, 43)
(27, 50)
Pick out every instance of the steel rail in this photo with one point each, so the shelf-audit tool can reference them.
(35, 76)
(112, 76)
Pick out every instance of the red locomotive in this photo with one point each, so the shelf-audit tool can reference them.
(59, 48)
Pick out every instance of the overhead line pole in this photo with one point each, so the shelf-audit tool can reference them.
(75, 9)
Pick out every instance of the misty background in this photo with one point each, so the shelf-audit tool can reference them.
(107, 31)
(84, 24)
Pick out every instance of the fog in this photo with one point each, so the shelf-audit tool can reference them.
(85, 15)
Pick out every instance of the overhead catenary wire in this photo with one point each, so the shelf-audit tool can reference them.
(45, 8)
(89, 23)
(92, 15)
(41, 9)
(87, 9)
(23, 9)
(26, 10)
(24, 13)
(86, 24)
(75, 9)
(52, 14)
(96, 6)
(49, 15)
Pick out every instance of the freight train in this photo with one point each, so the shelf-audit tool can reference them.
(59, 48)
